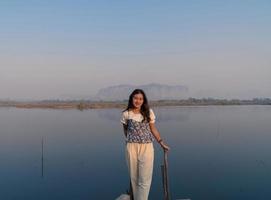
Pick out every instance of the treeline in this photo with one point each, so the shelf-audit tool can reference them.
(214, 101)
(89, 104)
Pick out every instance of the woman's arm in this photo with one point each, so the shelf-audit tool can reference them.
(125, 129)
(157, 136)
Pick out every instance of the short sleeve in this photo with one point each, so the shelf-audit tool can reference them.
(152, 116)
(124, 118)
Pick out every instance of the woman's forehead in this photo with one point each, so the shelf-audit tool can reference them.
(138, 95)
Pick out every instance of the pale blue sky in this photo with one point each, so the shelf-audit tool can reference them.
(62, 49)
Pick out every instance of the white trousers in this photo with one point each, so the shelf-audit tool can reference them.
(140, 157)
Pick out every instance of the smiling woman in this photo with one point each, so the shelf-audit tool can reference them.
(139, 129)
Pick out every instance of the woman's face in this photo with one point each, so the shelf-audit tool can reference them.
(138, 100)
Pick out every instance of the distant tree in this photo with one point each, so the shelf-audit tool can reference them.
(81, 106)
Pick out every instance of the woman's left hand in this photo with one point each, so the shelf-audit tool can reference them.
(164, 146)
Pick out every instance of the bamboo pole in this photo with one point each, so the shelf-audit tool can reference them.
(165, 179)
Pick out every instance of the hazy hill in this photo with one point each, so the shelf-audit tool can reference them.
(154, 92)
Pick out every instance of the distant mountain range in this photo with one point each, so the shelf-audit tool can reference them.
(153, 91)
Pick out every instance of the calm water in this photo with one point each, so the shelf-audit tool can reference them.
(218, 152)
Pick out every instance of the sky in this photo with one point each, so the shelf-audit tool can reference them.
(71, 49)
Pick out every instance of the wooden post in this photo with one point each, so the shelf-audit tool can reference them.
(163, 180)
(166, 173)
(164, 169)
(42, 157)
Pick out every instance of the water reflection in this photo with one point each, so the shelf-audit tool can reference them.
(163, 114)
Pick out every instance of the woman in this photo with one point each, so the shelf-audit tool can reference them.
(139, 129)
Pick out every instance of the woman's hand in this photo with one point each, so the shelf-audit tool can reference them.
(164, 146)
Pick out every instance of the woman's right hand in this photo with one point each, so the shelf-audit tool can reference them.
(164, 146)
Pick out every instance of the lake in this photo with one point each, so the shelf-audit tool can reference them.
(217, 153)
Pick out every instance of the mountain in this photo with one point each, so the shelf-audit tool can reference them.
(153, 91)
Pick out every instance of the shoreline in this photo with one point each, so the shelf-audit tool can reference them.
(84, 104)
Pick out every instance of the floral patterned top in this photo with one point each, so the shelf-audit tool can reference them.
(138, 131)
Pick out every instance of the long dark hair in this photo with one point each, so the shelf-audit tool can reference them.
(145, 109)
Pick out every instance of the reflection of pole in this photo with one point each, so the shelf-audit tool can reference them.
(218, 122)
(42, 157)
(164, 169)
